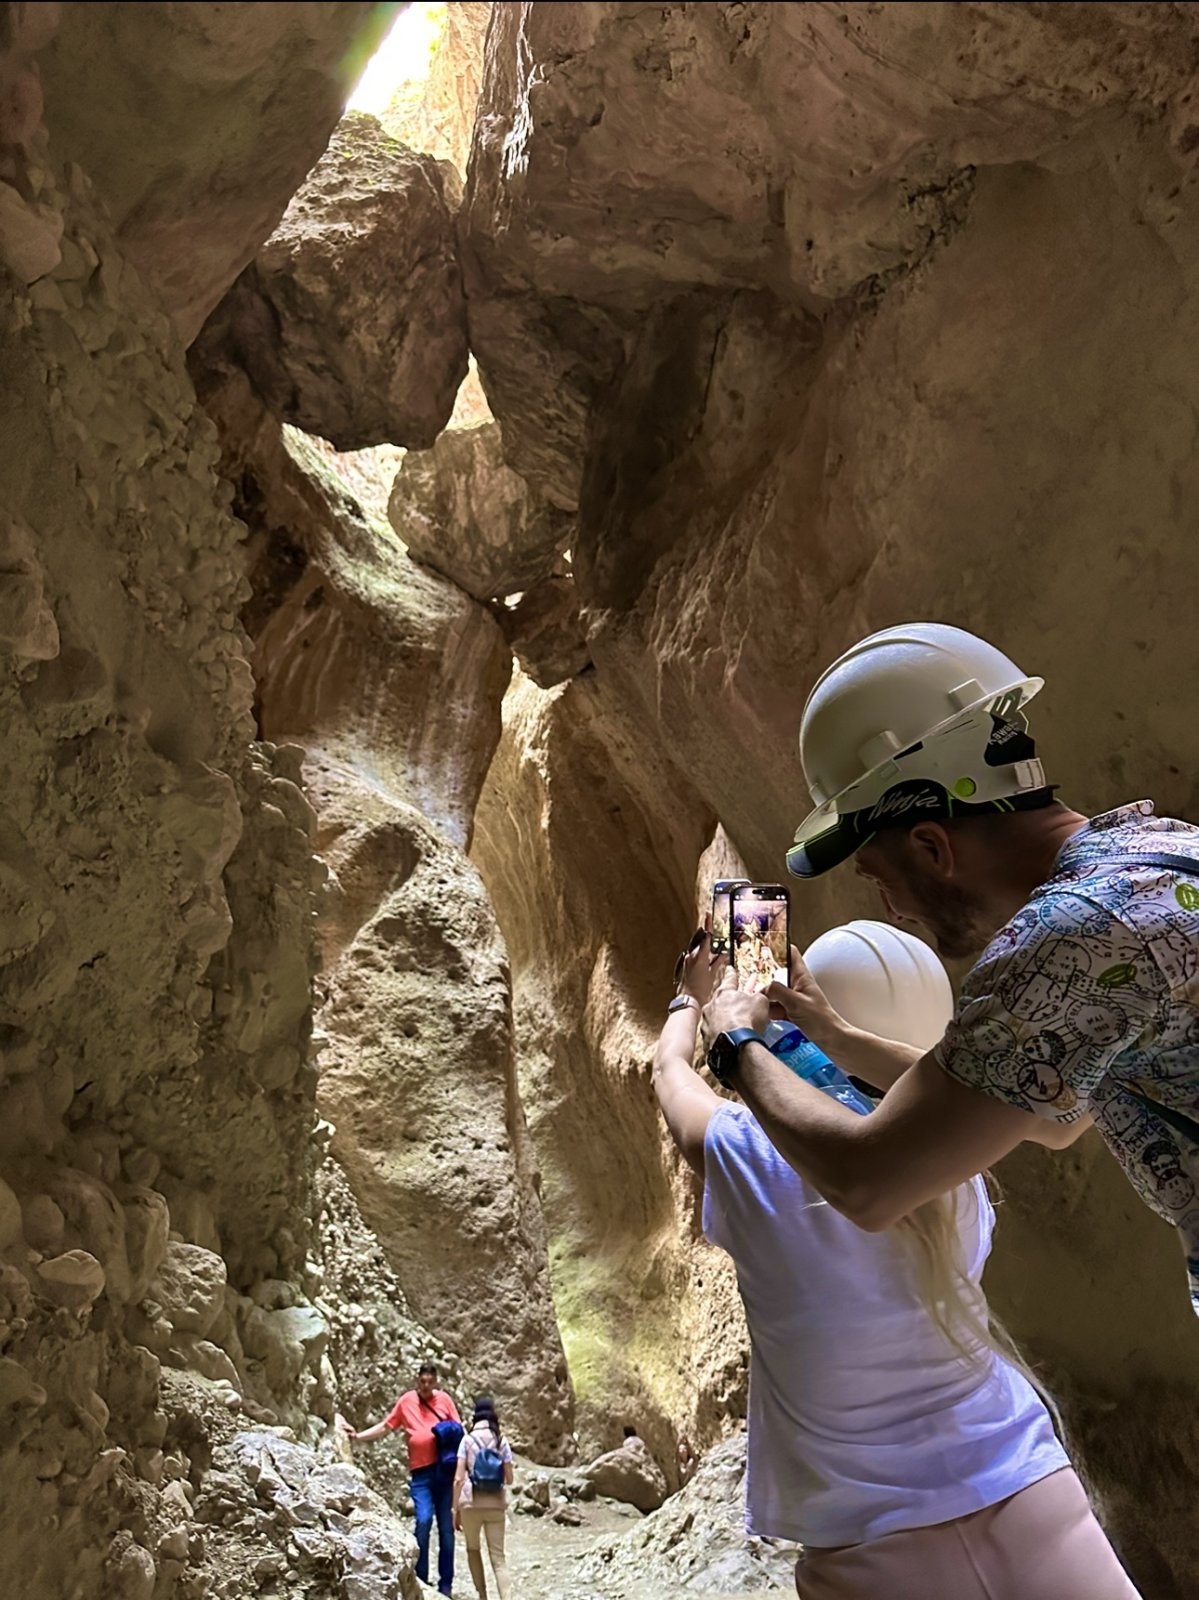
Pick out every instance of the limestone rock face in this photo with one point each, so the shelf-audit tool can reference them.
(157, 898)
(199, 122)
(628, 1473)
(419, 1081)
(462, 511)
(623, 156)
(351, 321)
(357, 648)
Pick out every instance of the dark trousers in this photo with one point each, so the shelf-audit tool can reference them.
(432, 1491)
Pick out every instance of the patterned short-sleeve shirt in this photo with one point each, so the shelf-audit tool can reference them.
(1088, 1001)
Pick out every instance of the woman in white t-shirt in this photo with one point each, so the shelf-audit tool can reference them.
(480, 1495)
(889, 1437)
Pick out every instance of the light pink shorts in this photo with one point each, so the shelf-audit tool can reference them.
(1040, 1544)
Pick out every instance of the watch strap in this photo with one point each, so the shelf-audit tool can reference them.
(727, 1047)
(683, 1002)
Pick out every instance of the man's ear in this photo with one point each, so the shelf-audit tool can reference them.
(933, 846)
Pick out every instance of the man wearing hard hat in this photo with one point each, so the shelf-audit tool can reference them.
(1084, 1005)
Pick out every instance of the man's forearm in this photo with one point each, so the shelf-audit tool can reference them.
(375, 1431)
(822, 1140)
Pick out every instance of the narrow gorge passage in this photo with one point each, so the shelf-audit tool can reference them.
(441, 446)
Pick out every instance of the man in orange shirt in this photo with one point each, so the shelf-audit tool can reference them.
(416, 1413)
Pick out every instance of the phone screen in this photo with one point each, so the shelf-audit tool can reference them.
(760, 935)
(722, 912)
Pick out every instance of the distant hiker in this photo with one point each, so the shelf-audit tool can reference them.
(429, 1420)
(480, 1498)
(686, 1461)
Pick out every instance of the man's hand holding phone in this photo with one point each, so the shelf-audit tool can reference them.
(733, 1007)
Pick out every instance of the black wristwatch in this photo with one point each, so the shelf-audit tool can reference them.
(726, 1048)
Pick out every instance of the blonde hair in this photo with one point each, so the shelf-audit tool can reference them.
(956, 1304)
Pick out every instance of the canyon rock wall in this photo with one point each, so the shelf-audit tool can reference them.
(160, 1279)
(154, 981)
(824, 320)
(587, 840)
(199, 122)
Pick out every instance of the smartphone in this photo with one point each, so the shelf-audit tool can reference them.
(761, 935)
(722, 911)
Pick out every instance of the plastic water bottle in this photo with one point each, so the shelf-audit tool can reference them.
(795, 1050)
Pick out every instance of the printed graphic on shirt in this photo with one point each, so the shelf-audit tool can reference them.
(1088, 1002)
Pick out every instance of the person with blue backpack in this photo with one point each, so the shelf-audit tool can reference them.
(480, 1498)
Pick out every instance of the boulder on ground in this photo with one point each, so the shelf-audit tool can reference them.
(629, 1473)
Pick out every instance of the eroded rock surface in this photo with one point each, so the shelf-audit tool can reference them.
(199, 122)
(351, 321)
(419, 1080)
(625, 156)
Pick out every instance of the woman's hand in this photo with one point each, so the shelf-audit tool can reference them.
(700, 968)
(457, 1521)
(805, 1004)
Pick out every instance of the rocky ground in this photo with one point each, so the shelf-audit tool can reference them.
(604, 1550)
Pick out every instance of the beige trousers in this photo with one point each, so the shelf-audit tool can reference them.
(477, 1521)
(1040, 1544)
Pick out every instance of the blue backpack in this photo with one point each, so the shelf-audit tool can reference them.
(487, 1473)
(447, 1436)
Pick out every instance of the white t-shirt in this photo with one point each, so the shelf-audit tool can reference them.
(862, 1419)
(481, 1438)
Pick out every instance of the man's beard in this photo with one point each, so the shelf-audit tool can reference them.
(950, 916)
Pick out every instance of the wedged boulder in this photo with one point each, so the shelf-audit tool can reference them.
(357, 648)
(546, 631)
(198, 122)
(628, 1473)
(351, 321)
(461, 510)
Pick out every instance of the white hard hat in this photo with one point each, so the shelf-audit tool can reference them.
(883, 980)
(921, 720)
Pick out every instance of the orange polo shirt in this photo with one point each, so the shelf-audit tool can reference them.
(417, 1417)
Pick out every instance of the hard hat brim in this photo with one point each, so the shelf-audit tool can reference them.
(822, 850)
(824, 839)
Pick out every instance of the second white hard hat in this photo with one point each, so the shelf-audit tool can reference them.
(884, 981)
